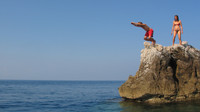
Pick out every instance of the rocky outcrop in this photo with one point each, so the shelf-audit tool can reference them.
(166, 74)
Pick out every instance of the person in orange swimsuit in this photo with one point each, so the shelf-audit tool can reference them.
(177, 28)
(149, 31)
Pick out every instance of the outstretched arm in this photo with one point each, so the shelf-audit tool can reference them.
(137, 24)
(133, 23)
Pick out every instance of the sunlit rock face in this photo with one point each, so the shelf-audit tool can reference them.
(166, 74)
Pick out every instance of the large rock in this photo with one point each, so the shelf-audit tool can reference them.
(166, 74)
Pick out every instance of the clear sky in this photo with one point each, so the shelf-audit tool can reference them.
(85, 39)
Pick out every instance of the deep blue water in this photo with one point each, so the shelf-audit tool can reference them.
(75, 96)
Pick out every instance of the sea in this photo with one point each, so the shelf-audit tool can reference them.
(76, 96)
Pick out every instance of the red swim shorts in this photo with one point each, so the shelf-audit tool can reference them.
(149, 33)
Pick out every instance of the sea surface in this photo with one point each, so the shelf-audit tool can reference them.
(75, 96)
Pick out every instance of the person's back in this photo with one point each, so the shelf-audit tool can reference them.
(145, 27)
(140, 24)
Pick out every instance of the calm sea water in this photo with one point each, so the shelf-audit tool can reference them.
(75, 96)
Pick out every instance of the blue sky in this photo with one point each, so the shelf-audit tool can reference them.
(85, 39)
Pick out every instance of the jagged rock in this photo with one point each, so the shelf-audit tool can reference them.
(166, 74)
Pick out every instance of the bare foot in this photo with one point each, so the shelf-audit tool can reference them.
(153, 43)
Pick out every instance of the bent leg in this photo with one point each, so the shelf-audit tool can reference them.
(145, 38)
(152, 40)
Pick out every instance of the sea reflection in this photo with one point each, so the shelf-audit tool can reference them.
(130, 106)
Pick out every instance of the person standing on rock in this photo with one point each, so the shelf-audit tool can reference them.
(149, 31)
(177, 28)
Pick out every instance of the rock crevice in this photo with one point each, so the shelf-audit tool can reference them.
(166, 74)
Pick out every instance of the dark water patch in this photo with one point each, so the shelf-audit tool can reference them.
(129, 106)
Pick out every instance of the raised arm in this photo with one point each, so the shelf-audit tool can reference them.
(172, 28)
(181, 27)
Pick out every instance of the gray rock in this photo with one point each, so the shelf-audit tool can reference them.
(166, 74)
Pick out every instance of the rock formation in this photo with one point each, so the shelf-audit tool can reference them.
(166, 74)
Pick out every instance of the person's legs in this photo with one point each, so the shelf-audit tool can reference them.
(152, 40)
(175, 32)
(145, 38)
(179, 37)
(148, 36)
(151, 36)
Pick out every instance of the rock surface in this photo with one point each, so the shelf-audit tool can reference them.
(166, 74)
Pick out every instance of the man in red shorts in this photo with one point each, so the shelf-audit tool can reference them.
(149, 31)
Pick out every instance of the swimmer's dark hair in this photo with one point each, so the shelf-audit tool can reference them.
(177, 18)
(140, 22)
